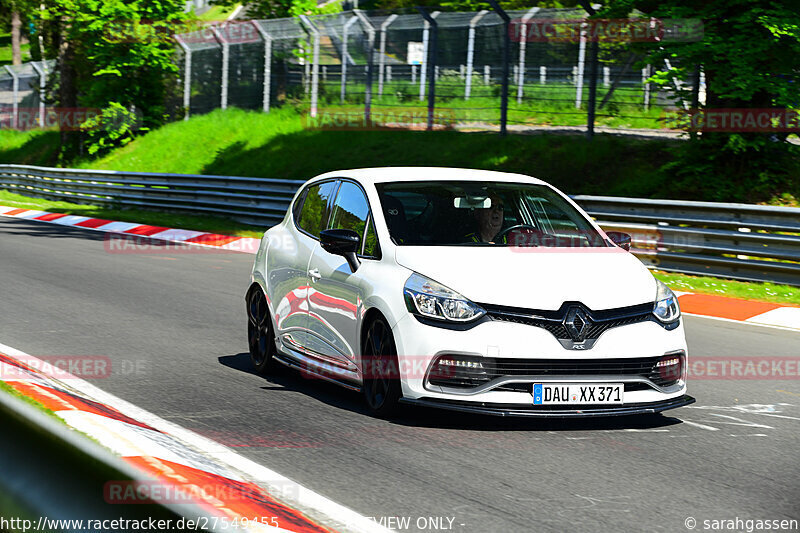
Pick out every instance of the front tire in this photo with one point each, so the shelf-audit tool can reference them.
(260, 334)
(381, 388)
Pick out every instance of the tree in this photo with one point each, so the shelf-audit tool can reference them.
(750, 54)
(112, 55)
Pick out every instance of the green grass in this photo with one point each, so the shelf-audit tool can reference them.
(204, 223)
(5, 50)
(765, 292)
(242, 143)
(217, 13)
(8, 389)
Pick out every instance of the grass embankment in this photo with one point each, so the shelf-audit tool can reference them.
(242, 143)
(6, 53)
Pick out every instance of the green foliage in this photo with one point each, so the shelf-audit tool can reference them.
(750, 54)
(113, 127)
(270, 9)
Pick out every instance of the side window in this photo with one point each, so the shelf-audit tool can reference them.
(350, 210)
(314, 213)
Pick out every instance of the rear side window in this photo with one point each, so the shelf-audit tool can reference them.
(315, 211)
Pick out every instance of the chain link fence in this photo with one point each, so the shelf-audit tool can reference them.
(22, 89)
(423, 69)
(372, 68)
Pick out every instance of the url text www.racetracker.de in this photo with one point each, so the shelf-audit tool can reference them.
(202, 523)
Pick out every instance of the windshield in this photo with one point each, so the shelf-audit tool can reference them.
(455, 213)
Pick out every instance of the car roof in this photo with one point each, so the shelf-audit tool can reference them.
(395, 174)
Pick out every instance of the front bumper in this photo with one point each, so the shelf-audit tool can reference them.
(551, 412)
(419, 344)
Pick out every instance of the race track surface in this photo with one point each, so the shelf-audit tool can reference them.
(173, 324)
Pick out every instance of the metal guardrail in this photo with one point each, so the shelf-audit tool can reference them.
(742, 241)
(52, 477)
(258, 201)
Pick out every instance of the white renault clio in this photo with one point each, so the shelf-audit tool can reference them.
(472, 290)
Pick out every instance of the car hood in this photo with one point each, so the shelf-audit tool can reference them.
(535, 278)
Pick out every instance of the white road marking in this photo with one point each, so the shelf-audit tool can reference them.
(740, 422)
(275, 482)
(701, 426)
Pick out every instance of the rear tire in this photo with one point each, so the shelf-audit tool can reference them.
(260, 334)
(381, 388)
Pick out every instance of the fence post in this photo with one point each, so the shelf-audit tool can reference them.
(430, 21)
(487, 73)
(581, 64)
(15, 98)
(423, 71)
(370, 48)
(542, 75)
(606, 76)
(382, 57)
(646, 86)
(413, 74)
(187, 77)
(523, 38)
(345, 56)
(471, 51)
(267, 64)
(226, 58)
(594, 48)
(42, 87)
(314, 64)
(506, 60)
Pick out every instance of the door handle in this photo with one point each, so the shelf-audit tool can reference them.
(314, 274)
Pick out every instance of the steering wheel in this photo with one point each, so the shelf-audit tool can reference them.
(532, 229)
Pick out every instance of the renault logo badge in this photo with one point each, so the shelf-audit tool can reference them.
(577, 323)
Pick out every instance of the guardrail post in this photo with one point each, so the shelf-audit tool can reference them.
(267, 64)
(471, 51)
(226, 51)
(382, 57)
(314, 64)
(187, 77)
(523, 37)
(15, 98)
(345, 56)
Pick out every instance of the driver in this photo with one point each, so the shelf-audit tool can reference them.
(490, 221)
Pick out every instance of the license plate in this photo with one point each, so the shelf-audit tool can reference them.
(577, 393)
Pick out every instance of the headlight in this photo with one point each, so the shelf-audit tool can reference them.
(427, 298)
(666, 307)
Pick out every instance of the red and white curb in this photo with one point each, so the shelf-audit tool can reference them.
(180, 236)
(231, 488)
(738, 310)
(720, 307)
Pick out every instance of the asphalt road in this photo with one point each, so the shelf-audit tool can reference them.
(173, 323)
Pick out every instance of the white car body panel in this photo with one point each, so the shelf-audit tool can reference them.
(325, 315)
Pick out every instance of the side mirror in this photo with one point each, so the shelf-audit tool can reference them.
(623, 240)
(344, 242)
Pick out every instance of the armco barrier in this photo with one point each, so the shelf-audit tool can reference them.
(741, 241)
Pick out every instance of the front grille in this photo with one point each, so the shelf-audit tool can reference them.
(491, 369)
(553, 321)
